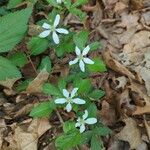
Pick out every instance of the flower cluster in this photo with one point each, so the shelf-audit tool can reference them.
(70, 98)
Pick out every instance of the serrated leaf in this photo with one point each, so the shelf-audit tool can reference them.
(13, 3)
(79, 3)
(68, 125)
(84, 85)
(86, 137)
(51, 90)
(62, 84)
(13, 28)
(46, 64)
(96, 143)
(8, 70)
(98, 66)
(94, 46)
(38, 45)
(96, 94)
(101, 131)
(43, 109)
(19, 59)
(92, 110)
(68, 140)
(80, 39)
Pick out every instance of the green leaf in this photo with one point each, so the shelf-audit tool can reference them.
(80, 39)
(62, 84)
(68, 140)
(23, 85)
(13, 3)
(96, 143)
(84, 85)
(19, 59)
(96, 94)
(66, 45)
(51, 90)
(8, 70)
(86, 137)
(94, 46)
(92, 110)
(79, 3)
(53, 3)
(77, 12)
(98, 66)
(38, 45)
(101, 130)
(46, 64)
(43, 109)
(68, 125)
(13, 28)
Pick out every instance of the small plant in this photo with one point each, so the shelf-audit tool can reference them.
(73, 93)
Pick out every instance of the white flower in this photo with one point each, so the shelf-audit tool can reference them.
(52, 28)
(59, 1)
(81, 59)
(84, 120)
(69, 99)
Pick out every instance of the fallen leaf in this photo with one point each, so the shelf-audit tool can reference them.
(147, 128)
(122, 82)
(36, 85)
(116, 66)
(130, 133)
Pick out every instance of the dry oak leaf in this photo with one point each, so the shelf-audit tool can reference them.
(115, 65)
(36, 85)
(147, 128)
(130, 133)
(146, 108)
(27, 139)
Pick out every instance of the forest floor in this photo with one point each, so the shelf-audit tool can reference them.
(123, 28)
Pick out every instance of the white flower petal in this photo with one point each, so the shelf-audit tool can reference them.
(91, 120)
(73, 92)
(77, 124)
(78, 101)
(56, 21)
(44, 34)
(55, 38)
(59, 1)
(46, 26)
(78, 51)
(68, 107)
(73, 61)
(65, 93)
(88, 61)
(82, 128)
(61, 30)
(82, 66)
(85, 115)
(60, 101)
(86, 50)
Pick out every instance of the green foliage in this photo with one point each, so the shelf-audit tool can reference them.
(68, 140)
(51, 90)
(98, 66)
(96, 94)
(68, 126)
(19, 59)
(8, 70)
(46, 64)
(62, 84)
(84, 85)
(23, 85)
(96, 143)
(43, 109)
(92, 110)
(38, 45)
(15, 25)
(13, 3)
(80, 39)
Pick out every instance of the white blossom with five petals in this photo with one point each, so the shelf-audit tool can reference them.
(52, 28)
(84, 120)
(69, 99)
(81, 59)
